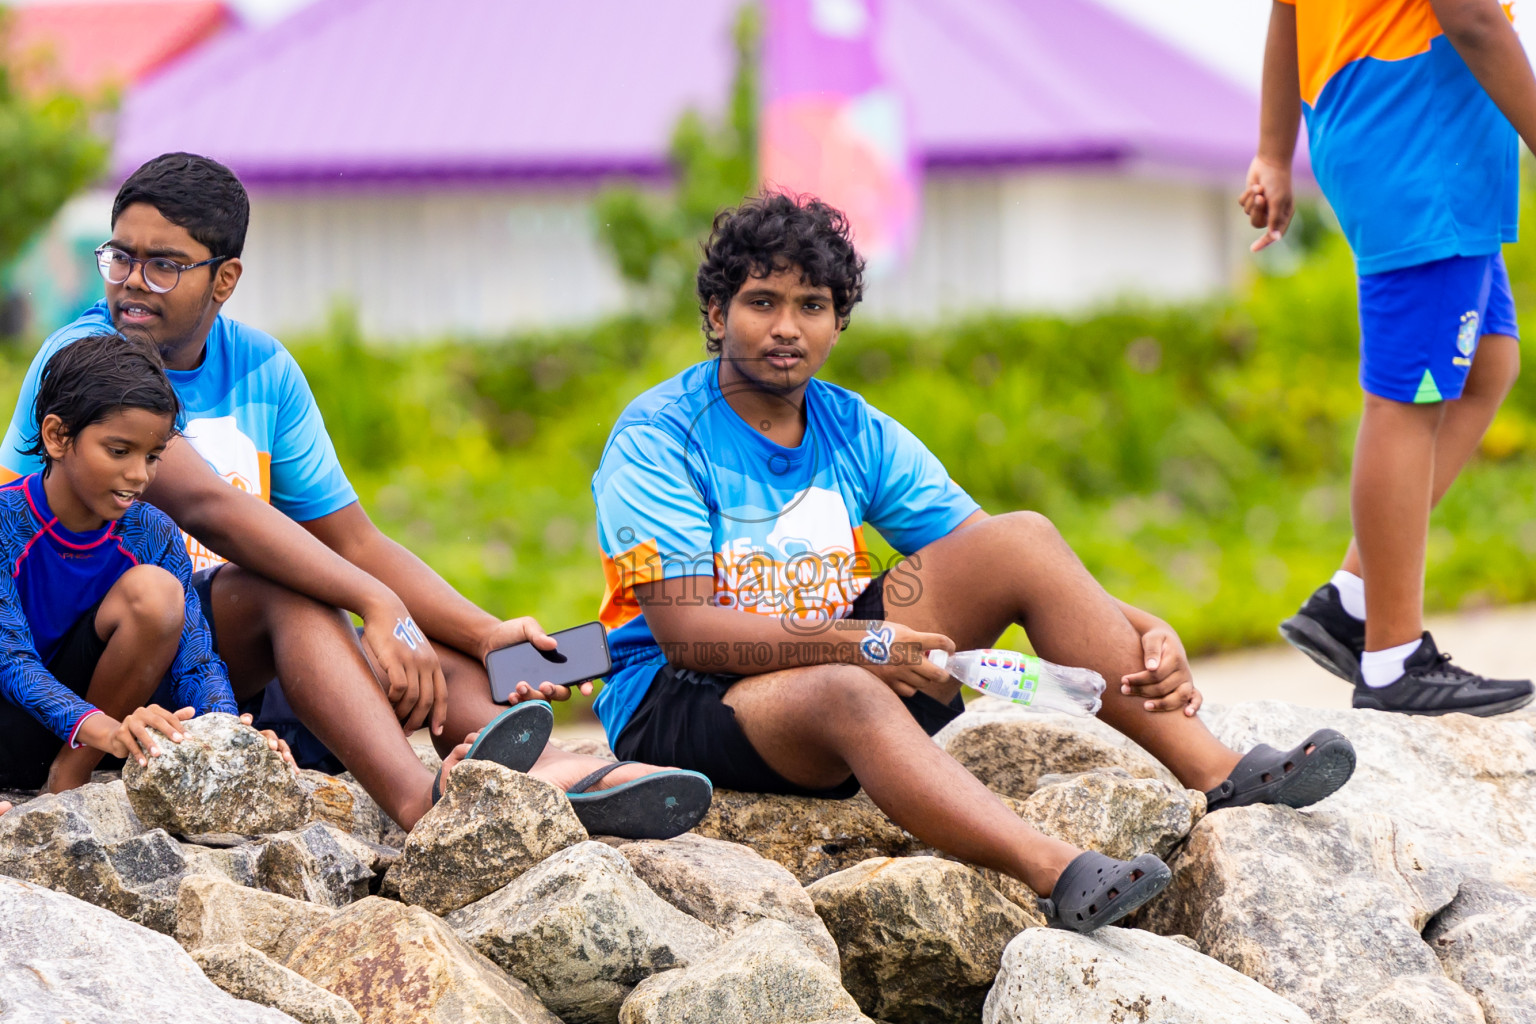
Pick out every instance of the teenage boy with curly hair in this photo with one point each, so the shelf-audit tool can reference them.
(752, 641)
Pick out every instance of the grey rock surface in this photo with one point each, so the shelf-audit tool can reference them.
(212, 911)
(317, 863)
(1009, 748)
(1124, 975)
(728, 887)
(765, 975)
(62, 959)
(401, 965)
(246, 973)
(1110, 811)
(222, 777)
(581, 929)
(340, 800)
(1322, 909)
(490, 826)
(812, 838)
(920, 937)
(88, 843)
(1486, 940)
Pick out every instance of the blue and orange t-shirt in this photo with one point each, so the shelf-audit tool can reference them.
(1415, 159)
(247, 410)
(686, 488)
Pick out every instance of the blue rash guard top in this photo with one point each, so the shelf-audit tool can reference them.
(53, 576)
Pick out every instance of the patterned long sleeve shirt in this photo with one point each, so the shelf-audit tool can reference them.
(53, 576)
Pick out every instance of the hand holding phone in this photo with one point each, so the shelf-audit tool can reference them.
(580, 654)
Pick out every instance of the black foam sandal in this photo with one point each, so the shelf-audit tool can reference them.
(1096, 890)
(1299, 777)
(660, 805)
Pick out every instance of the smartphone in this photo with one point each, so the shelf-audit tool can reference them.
(581, 654)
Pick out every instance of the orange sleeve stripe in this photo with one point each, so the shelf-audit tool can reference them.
(639, 565)
(7, 475)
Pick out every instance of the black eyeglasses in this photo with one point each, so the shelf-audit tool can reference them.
(160, 274)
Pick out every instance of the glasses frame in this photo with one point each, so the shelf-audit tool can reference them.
(134, 261)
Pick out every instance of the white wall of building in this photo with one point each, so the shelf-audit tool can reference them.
(1061, 241)
(426, 263)
(481, 262)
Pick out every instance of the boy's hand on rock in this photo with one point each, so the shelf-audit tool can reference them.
(131, 737)
(273, 742)
(1166, 681)
(407, 668)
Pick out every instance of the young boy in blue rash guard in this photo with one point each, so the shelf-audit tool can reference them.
(98, 619)
(1412, 109)
(754, 641)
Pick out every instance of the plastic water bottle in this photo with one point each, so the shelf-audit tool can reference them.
(1025, 679)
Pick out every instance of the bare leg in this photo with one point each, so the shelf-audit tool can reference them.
(266, 630)
(816, 726)
(1390, 498)
(141, 620)
(1016, 568)
(470, 707)
(1493, 373)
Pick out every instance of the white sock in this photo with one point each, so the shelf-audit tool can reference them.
(1351, 593)
(1383, 668)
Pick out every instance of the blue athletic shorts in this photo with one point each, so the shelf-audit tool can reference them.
(1420, 326)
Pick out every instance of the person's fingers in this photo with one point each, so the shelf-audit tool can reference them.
(554, 692)
(1195, 700)
(1131, 682)
(186, 714)
(1159, 687)
(586, 688)
(439, 701)
(1265, 240)
(1152, 645)
(168, 724)
(420, 709)
(1176, 699)
(136, 738)
(246, 719)
(935, 642)
(534, 633)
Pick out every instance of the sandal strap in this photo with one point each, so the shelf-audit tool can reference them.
(597, 776)
(437, 785)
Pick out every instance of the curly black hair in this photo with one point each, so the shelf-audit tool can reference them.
(773, 232)
(88, 380)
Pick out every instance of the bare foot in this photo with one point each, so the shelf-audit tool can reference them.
(564, 769)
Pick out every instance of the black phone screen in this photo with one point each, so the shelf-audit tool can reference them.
(581, 654)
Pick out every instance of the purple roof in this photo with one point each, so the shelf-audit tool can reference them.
(395, 90)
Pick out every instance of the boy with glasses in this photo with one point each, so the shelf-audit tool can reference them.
(178, 229)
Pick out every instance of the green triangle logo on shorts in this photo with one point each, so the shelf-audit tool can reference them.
(1428, 392)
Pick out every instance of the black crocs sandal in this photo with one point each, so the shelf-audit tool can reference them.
(660, 805)
(1096, 890)
(1299, 777)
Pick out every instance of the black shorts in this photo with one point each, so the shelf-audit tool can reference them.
(27, 747)
(683, 721)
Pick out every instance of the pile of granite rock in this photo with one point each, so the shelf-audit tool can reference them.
(218, 885)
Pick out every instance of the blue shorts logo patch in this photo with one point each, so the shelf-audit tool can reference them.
(1466, 335)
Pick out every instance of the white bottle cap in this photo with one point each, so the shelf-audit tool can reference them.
(939, 657)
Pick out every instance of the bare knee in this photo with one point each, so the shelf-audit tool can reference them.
(238, 588)
(149, 597)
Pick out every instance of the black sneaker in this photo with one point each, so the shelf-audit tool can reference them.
(1431, 685)
(1326, 633)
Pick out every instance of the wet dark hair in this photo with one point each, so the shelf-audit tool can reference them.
(195, 193)
(773, 232)
(88, 380)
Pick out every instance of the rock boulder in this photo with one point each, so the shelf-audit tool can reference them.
(248, 974)
(216, 912)
(1486, 939)
(812, 838)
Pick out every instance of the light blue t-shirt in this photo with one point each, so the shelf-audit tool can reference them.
(685, 488)
(247, 410)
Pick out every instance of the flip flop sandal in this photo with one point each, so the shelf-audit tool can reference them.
(656, 806)
(1298, 777)
(1096, 890)
(516, 737)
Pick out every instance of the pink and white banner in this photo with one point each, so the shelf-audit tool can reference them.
(835, 126)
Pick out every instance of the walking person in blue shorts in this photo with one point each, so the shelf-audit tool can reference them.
(1414, 109)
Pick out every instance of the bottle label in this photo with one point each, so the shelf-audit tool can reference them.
(1010, 675)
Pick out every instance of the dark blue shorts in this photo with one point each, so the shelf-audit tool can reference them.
(1420, 326)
